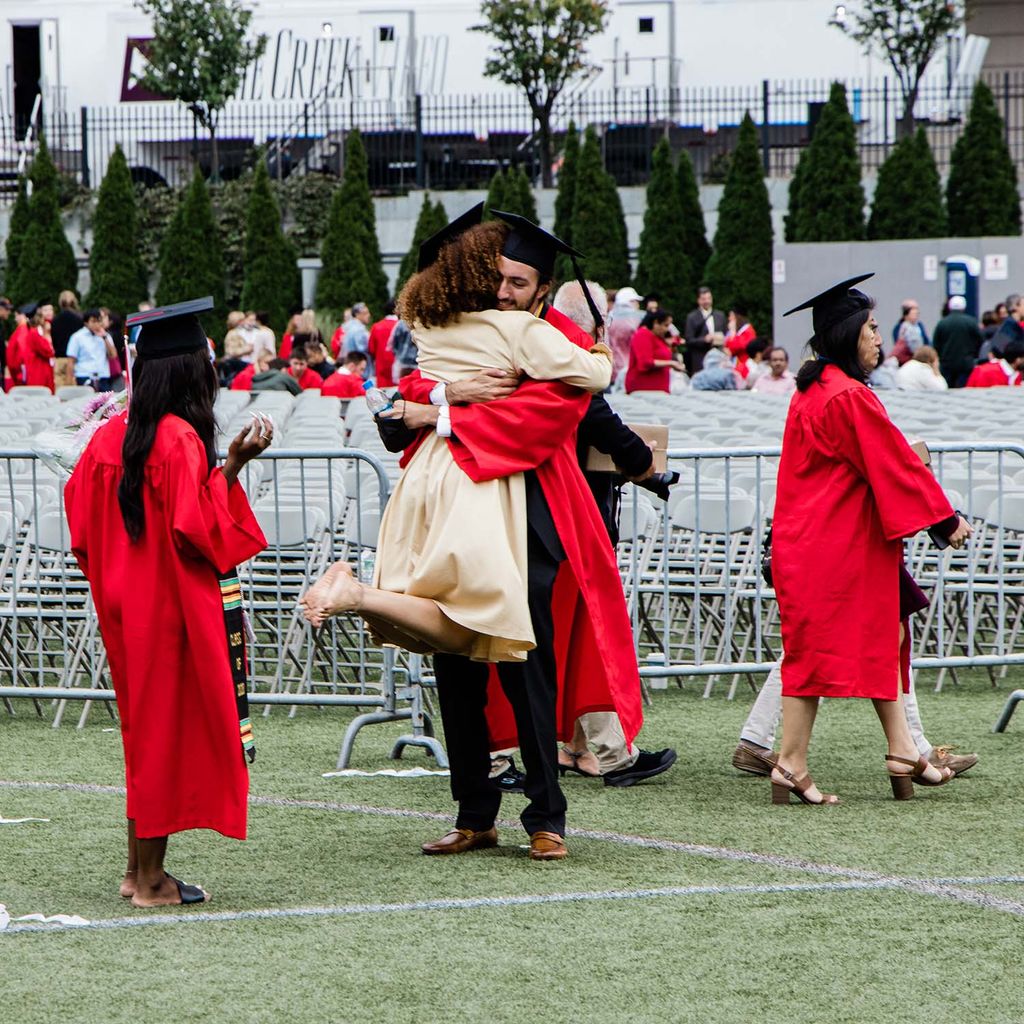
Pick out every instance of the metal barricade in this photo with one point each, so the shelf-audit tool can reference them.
(315, 505)
(691, 567)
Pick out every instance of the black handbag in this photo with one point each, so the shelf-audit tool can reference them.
(766, 557)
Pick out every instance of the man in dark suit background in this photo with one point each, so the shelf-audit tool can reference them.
(701, 323)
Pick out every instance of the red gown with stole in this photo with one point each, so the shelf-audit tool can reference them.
(161, 615)
(850, 488)
(535, 429)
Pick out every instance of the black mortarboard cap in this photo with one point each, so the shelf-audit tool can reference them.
(835, 304)
(433, 245)
(170, 330)
(529, 243)
(29, 309)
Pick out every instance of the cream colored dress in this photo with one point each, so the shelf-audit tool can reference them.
(461, 543)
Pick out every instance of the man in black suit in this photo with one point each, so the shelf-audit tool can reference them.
(701, 323)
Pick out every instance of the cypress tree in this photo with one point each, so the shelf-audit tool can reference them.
(908, 194)
(46, 261)
(117, 276)
(740, 268)
(598, 223)
(271, 273)
(694, 231)
(431, 219)
(190, 260)
(520, 195)
(565, 199)
(830, 206)
(16, 229)
(497, 194)
(350, 252)
(981, 191)
(796, 183)
(663, 264)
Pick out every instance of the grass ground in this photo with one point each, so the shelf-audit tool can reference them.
(861, 940)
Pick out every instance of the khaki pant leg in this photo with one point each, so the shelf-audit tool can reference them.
(605, 736)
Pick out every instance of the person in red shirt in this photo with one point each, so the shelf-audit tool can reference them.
(379, 346)
(16, 344)
(347, 381)
(157, 530)
(37, 353)
(650, 355)
(1000, 372)
(298, 367)
(740, 334)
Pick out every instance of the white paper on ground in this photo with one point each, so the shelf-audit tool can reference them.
(393, 773)
(20, 821)
(65, 919)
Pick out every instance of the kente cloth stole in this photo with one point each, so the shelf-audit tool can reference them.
(234, 623)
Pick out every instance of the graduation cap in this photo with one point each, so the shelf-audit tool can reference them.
(529, 243)
(170, 330)
(29, 309)
(432, 246)
(835, 304)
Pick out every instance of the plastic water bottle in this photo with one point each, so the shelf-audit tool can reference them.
(377, 401)
(367, 562)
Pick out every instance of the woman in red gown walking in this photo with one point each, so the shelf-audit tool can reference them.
(157, 530)
(850, 489)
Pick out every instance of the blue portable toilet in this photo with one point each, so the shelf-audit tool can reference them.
(962, 273)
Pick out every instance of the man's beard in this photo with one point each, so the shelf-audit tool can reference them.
(528, 307)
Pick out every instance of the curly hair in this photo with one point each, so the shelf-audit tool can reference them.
(463, 279)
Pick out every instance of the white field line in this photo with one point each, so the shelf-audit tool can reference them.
(949, 889)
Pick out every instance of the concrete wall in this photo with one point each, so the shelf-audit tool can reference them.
(899, 268)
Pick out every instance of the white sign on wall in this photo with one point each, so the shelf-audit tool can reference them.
(778, 271)
(997, 266)
(931, 268)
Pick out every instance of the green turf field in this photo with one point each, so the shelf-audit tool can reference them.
(872, 912)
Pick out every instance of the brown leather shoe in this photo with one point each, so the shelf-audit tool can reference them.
(460, 840)
(755, 760)
(960, 763)
(547, 846)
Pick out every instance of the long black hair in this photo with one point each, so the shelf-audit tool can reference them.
(836, 345)
(185, 385)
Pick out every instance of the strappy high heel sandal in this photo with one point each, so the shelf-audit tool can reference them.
(798, 787)
(903, 782)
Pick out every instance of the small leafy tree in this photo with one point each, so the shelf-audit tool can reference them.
(796, 183)
(230, 202)
(118, 277)
(908, 194)
(981, 191)
(350, 254)
(740, 268)
(565, 198)
(694, 230)
(271, 275)
(663, 265)
(190, 259)
(20, 218)
(598, 223)
(520, 194)
(304, 197)
(830, 205)
(198, 55)
(46, 261)
(497, 194)
(431, 219)
(906, 33)
(540, 46)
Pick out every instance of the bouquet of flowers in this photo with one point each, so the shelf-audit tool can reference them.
(60, 447)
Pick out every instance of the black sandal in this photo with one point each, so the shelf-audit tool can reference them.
(190, 894)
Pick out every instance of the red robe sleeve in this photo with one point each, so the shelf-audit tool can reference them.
(40, 345)
(210, 520)
(76, 511)
(906, 493)
(642, 350)
(414, 387)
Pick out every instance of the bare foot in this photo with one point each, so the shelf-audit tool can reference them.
(128, 885)
(165, 894)
(811, 792)
(586, 761)
(336, 591)
(930, 774)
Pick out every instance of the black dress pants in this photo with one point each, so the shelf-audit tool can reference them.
(532, 690)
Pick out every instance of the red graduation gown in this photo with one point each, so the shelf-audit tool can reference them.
(850, 489)
(161, 616)
(16, 353)
(535, 428)
(991, 375)
(37, 355)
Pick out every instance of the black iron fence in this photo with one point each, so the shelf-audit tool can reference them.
(449, 142)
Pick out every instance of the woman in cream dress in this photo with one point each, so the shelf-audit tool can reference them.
(451, 555)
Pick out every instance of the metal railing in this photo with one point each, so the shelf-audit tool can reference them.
(455, 141)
